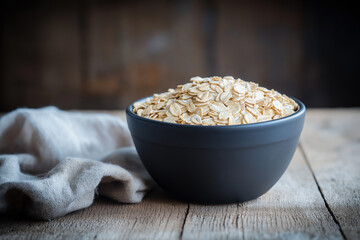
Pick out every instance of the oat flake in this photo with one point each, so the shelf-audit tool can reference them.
(216, 101)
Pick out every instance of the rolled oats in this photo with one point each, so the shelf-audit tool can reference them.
(216, 101)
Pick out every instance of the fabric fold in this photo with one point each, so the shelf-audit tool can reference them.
(52, 162)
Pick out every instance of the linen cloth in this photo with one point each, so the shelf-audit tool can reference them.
(53, 162)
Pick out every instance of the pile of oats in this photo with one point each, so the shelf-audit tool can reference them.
(216, 101)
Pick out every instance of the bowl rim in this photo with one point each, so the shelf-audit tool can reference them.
(295, 115)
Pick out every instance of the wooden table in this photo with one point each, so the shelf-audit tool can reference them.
(317, 198)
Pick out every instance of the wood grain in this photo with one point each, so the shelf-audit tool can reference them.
(98, 54)
(157, 217)
(293, 208)
(21, 60)
(135, 49)
(61, 56)
(105, 54)
(41, 56)
(260, 41)
(331, 141)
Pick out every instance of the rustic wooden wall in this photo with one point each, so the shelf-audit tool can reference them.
(106, 54)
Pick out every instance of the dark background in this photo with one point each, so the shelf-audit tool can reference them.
(106, 54)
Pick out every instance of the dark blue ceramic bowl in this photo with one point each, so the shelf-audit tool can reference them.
(216, 164)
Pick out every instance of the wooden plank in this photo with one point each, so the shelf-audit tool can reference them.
(157, 217)
(325, 61)
(41, 56)
(331, 141)
(60, 53)
(136, 49)
(21, 54)
(261, 41)
(292, 209)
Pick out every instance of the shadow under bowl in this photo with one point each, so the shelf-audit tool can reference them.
(216, 164)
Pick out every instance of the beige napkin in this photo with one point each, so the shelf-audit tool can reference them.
(53, 162)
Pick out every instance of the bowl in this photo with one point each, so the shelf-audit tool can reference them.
(216, 164)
